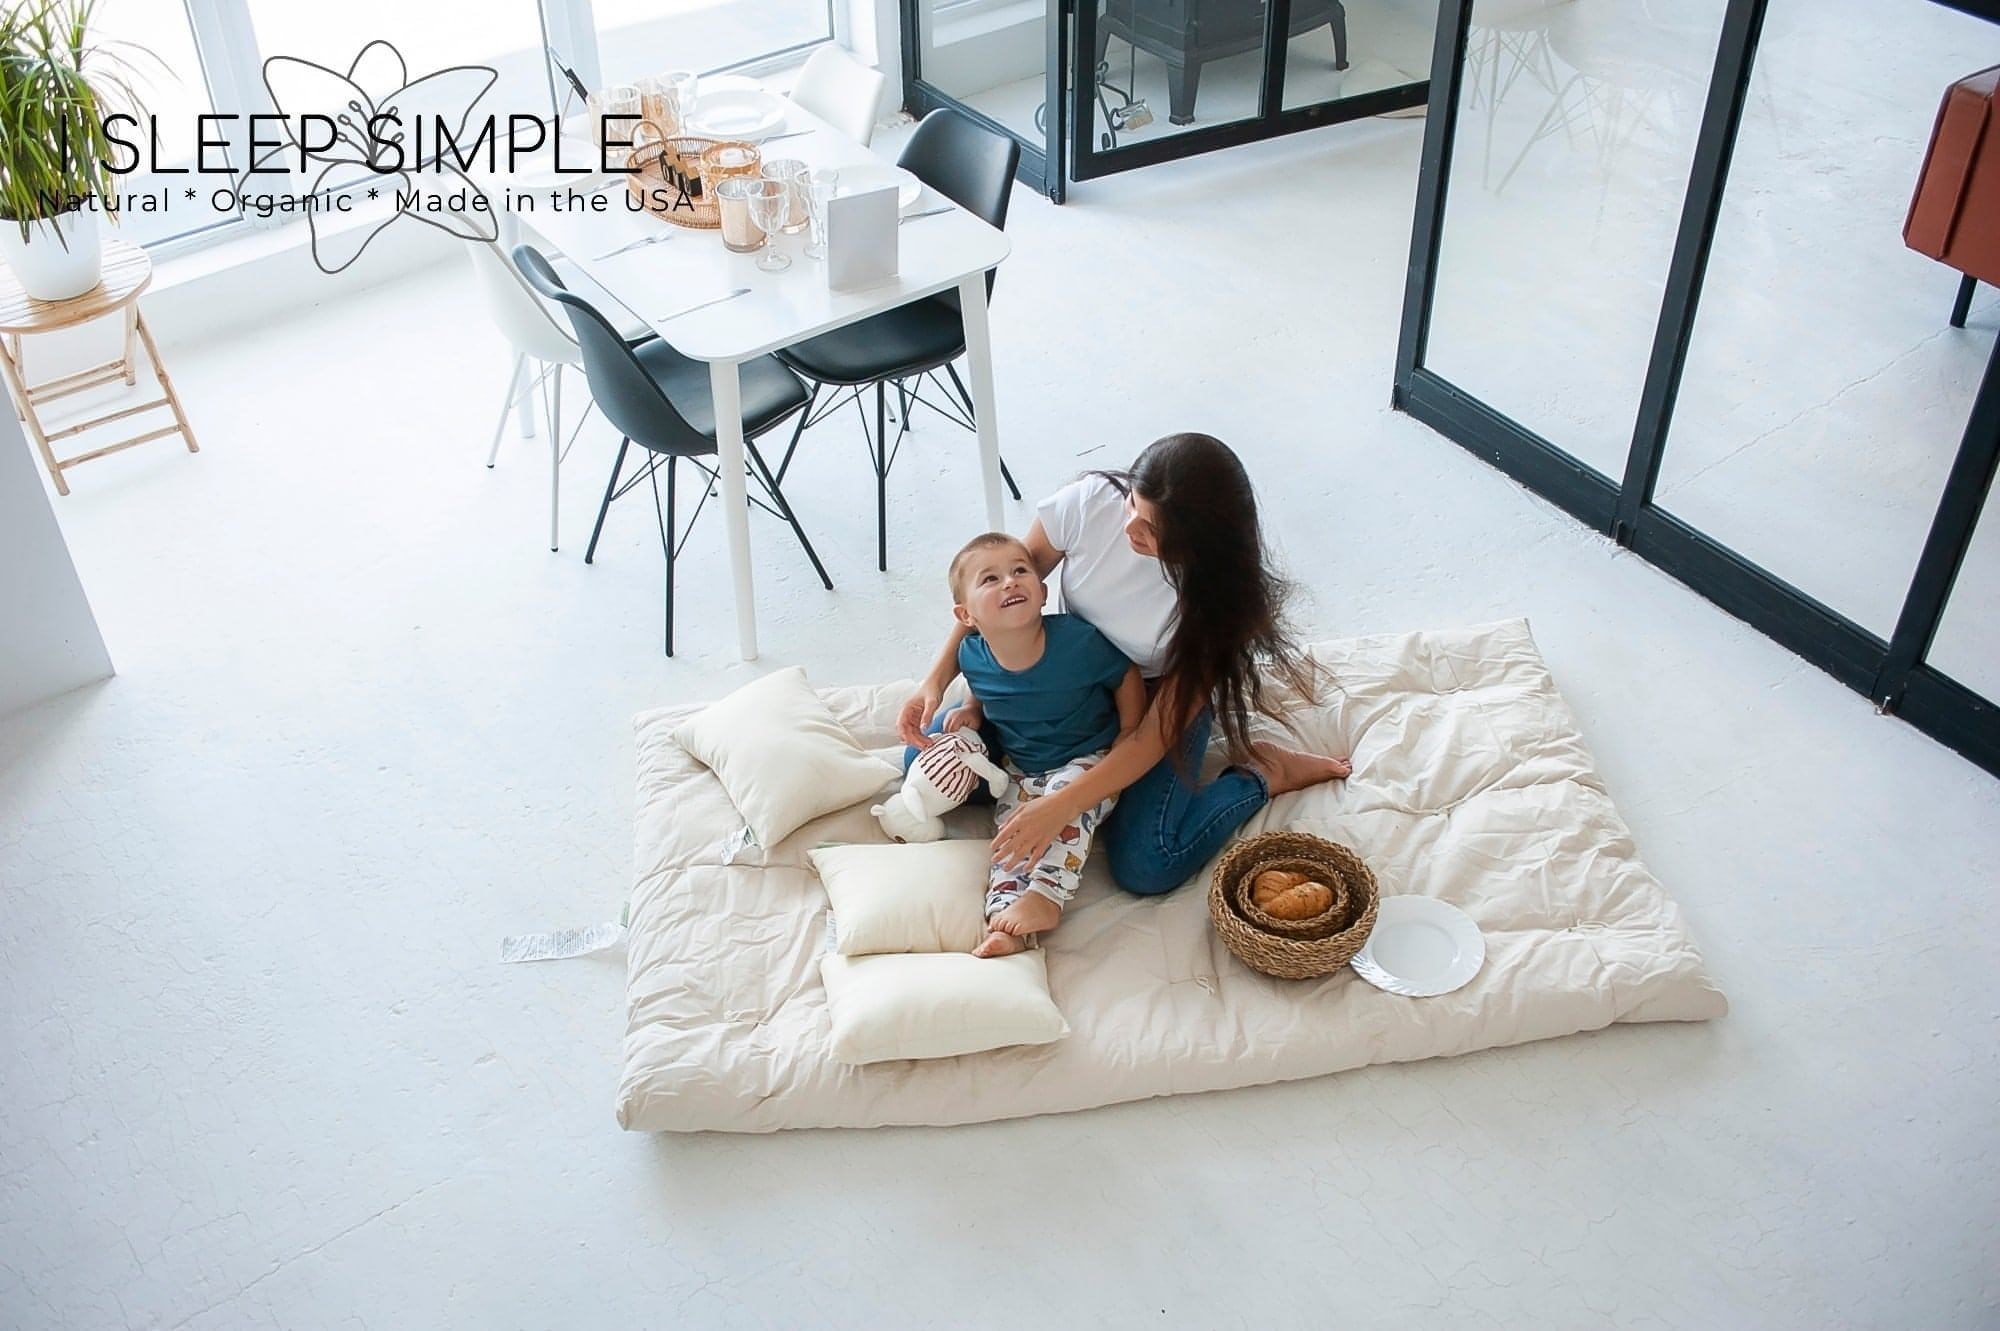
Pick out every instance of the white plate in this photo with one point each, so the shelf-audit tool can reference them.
(1420, 948)
(880, 175)
(735, 112)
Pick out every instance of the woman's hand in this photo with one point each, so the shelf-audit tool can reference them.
(969, 713)
(1026, 836)
(915, 718)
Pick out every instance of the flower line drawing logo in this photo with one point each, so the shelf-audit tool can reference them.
(373, 121)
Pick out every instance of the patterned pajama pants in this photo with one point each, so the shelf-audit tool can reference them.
(1056, 874)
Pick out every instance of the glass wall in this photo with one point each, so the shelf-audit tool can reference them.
(1967, 647)
(1825, 392)
(1576, 129)
(1153, 80)
(1659, 276)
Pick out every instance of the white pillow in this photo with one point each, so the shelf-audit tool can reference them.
(782, 756)
(927, 897)
(937, 1004)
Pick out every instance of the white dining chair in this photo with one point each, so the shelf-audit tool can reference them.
(543, 349)
(842, 91)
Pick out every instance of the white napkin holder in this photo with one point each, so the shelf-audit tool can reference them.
(861, 233)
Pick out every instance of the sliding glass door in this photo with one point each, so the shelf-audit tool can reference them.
(1659, 276)
(1091, 87)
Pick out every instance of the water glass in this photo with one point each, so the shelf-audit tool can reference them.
(821, 186)
(620, 99)
(770, 204)
(791, 173)
(660, 103)
(680, 86)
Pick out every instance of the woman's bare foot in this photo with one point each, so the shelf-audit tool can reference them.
(1286, 770)
(999, 943)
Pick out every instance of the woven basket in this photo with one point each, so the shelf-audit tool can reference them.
(1330, 940)
(668, 179)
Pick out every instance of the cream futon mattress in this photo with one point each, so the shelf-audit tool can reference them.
(1470, 784)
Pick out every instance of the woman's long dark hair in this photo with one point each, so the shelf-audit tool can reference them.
(1230, 635)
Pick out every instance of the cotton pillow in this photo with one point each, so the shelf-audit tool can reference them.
(937, 1004)
(782, 756)
(927, 897)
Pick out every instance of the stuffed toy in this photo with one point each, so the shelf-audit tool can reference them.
(942, 778)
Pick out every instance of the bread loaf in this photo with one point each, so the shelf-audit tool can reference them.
(1289, 896)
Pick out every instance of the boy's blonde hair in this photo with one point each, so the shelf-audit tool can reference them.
(984, 541)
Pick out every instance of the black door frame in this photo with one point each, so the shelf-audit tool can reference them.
(1893, 673)
(1088, 161)
(1067, 151)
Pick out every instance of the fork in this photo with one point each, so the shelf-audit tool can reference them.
(928, 212)
(637, 244)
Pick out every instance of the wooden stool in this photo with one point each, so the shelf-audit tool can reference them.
(127, 272)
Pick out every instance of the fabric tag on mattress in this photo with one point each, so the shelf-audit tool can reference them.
(736, 843)
(562, 944)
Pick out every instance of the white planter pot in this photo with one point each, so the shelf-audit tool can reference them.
(52, 264)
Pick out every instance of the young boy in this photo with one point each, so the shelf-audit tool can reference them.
(1057, 695)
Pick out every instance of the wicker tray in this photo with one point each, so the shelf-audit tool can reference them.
(1275, 949)
(666, 177)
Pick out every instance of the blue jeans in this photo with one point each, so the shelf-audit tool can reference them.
(1165, 828)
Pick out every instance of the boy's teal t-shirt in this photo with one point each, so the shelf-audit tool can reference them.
(1058, 709)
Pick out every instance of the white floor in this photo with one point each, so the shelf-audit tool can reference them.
(261, 1067)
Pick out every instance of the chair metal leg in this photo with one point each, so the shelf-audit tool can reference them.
(966, 398)
(507, 406)
(555, 457)
(770, 484)
(904, 400)
(610, 488)
(1963, 305)
(785, 463)
(524, 412)
(881, 477)
(667, 534)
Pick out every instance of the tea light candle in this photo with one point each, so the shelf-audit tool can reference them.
(732, 198)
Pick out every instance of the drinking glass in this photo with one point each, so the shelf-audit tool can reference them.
(770, 204)
(660, 103)
(821, 186)
(682, 84)
(790, 172)
(620, 99)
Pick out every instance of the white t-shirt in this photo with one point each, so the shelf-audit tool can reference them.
(1123, 593)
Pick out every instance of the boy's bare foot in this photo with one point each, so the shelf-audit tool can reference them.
(1286, 770)
(1029, 913)
(999, 943)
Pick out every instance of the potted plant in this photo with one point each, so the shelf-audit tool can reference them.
(56, 87)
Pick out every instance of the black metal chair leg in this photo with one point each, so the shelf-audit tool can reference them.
(667, 533)
(785, 509)
(785, 463)
(598, 530)
(881, 477)
(904, 400)
(972, 416)
(1963, 305)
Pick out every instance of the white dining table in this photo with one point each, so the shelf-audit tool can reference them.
(666, 284)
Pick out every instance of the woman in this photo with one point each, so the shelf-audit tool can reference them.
(1168, 562)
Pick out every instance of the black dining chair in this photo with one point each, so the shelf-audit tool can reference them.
(660, 400)
(974, 168)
